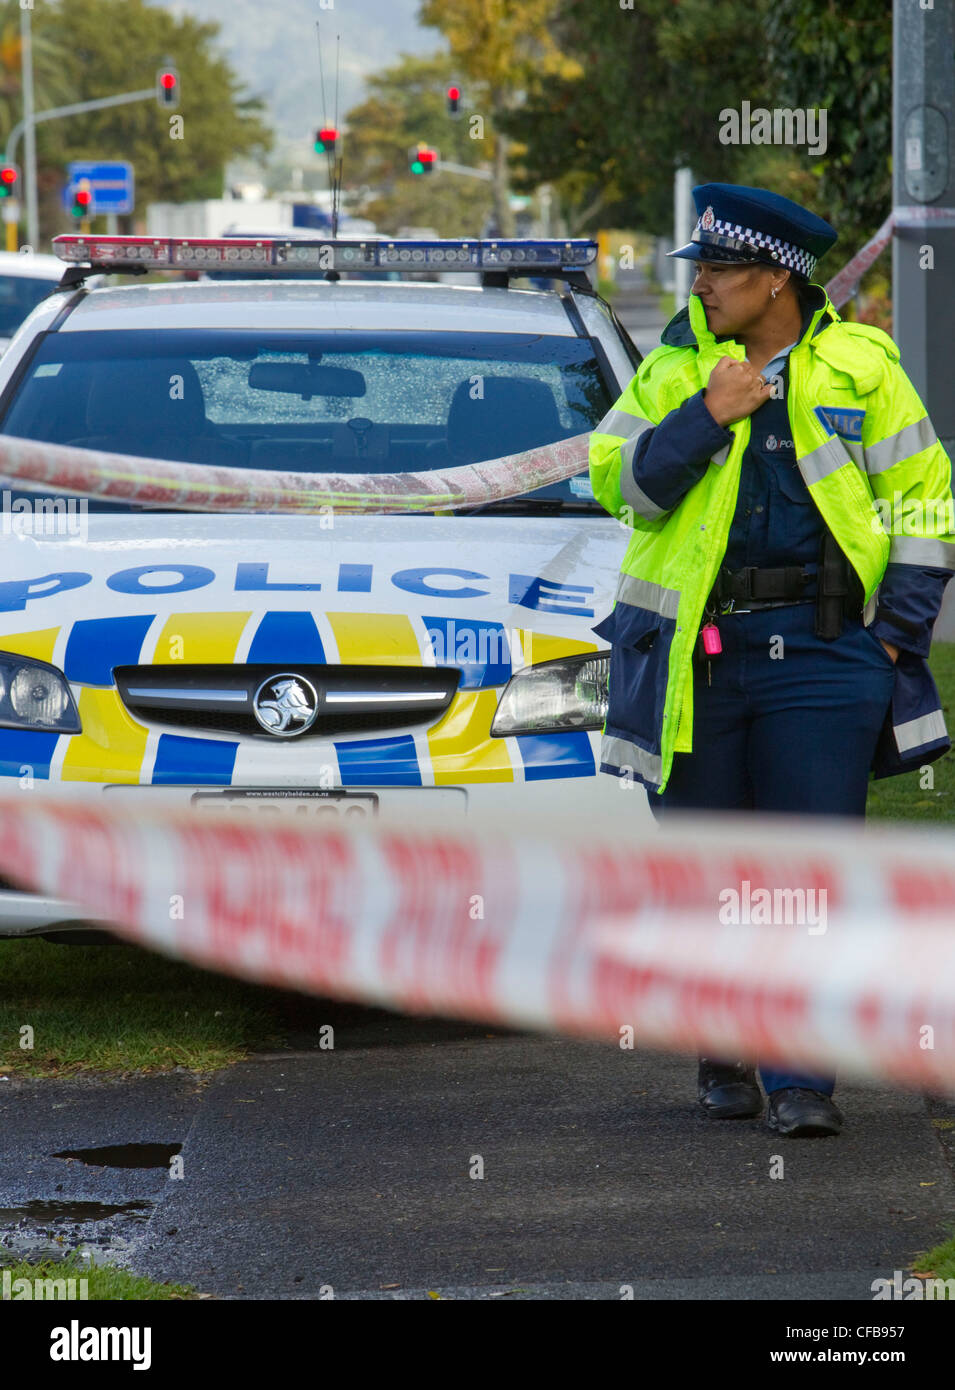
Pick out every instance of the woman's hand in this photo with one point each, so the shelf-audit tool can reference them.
(892, 651)
(734, 390)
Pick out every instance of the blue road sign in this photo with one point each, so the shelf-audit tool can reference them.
(110, 182)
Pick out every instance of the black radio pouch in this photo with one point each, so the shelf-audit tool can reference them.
(839, 590)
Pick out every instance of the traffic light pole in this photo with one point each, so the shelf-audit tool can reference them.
(447, 167)
(23, 128)
(29, 120)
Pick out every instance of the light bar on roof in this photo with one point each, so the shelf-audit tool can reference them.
(341, 253)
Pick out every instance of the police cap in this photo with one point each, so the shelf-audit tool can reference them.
(750, 226)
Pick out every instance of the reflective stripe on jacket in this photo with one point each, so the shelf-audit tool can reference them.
(873, 466)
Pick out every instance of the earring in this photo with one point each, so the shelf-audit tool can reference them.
(775, 292)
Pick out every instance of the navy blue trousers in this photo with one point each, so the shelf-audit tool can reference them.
(793, 732)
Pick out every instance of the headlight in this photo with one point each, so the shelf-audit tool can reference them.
(570, 693)
(34, 695)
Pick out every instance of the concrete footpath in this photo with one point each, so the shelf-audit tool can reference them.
(358, 1170)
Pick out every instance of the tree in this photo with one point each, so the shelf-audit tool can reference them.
(406, 104)
(501, 47)
(114, 46)
(839, 58)
(51, 85)
(653, 80)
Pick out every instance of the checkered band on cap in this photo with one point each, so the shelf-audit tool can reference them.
(735, 237)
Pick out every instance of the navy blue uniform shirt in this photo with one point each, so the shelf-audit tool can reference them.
(776, 521)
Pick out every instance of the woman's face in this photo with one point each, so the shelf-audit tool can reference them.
(735, 297)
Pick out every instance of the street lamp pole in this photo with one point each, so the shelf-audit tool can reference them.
(26, 68)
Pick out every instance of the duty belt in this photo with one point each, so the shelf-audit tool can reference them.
(752, 588)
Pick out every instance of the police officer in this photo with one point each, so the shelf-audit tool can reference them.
(773, 614)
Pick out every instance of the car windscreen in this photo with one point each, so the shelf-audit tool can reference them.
(19, 296)
(336, 401)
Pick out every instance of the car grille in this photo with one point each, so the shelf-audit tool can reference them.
(351, 699)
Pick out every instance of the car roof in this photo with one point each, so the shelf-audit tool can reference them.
(321, 304)
(34, 264)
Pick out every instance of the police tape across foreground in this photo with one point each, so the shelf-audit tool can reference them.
(197, 487)
(824, 945)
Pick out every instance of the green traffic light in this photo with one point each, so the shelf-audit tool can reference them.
(417, 167)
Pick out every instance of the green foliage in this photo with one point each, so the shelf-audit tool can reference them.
(112, 46)
(839, 57)
(655, 79)
(52, 85)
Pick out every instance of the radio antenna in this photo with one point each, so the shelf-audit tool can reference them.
(336, 197)
(332, 180)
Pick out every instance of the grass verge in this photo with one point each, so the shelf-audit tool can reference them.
(119, 1009)
(939, 1263)
(102, 1281)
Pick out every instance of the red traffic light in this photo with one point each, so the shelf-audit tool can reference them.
(454, 97)
(167, 87)
(82, 202)
(9, 174)
(326, 140)
(423, 160)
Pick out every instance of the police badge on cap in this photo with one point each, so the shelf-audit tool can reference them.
(751, 226)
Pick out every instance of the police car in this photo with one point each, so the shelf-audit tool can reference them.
(398, 666)
(25, 279)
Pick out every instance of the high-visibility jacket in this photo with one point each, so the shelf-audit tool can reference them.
(873, 466)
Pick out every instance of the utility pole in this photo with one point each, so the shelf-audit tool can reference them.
(923, 182)
(684, 221)
(26, 72)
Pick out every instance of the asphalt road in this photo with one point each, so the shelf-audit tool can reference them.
(349, 1170)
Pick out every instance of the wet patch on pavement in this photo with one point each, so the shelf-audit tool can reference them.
(124, 1155)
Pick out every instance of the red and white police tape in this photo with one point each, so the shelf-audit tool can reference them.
(818, 944)
(206, 488)
(844, 285)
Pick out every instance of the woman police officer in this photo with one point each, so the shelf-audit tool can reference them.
(773, 613)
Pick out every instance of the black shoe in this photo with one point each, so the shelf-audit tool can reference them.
(803, 1114)
(729, 1091)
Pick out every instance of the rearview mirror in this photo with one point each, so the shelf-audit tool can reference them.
(299, 379)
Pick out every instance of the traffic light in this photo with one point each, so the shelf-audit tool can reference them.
(454, 98)
(82, 199)
(326, 140)
(9, 181)
(423, 160)
(167, 87)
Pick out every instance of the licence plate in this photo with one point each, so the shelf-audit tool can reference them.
(291, 804)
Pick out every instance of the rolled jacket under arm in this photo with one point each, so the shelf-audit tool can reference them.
(911, 479)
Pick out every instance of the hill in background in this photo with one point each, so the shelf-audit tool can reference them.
(274, 50)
